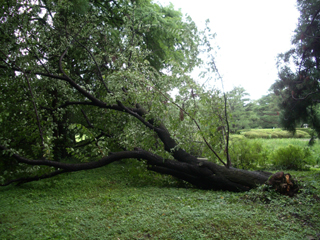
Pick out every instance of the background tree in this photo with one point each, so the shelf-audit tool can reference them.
(298, 86)
(240, 109)
(268, 111)
(94, 72)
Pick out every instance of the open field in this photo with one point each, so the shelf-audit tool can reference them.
(123, 201)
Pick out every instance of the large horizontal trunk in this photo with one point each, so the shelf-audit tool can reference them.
(202, 174)
(208, 175)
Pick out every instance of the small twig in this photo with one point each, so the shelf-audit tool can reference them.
(87, 119)
(44, 66)
(225, 113)
(228, 130)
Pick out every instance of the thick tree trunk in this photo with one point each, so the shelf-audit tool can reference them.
(208, 175)
(202, 174)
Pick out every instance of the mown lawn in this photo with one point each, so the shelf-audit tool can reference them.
(122, 201)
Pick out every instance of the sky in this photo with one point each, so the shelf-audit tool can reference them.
(250, 35)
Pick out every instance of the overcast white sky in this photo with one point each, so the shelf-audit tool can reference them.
(250, 34)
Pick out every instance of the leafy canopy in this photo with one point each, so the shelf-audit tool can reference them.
(71, 69)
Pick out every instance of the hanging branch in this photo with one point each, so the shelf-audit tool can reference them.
(36, 112)
(91, 126)
(33, 101)
(225, 112)
(95, 61)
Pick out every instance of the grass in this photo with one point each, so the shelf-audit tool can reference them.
(123, 201)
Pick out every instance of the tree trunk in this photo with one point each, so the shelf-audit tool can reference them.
(202, 174)
(208, 175)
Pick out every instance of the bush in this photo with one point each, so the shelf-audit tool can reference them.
(291, 157)
(307, 130)
(247, 154)
(274, 133)
(236, 137)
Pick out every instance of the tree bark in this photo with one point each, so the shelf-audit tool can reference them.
(202, 174)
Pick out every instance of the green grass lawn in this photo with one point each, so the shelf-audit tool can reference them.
(122, 201)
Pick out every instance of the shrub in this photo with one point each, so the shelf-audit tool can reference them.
(274, 133)
(236, 137)
(307, 130)
(247, 154)
(291, 157)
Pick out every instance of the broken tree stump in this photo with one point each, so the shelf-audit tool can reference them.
(283, 184)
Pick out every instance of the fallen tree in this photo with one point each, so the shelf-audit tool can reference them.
(89, 83)
(203, 174)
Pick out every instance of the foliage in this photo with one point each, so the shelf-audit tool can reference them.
(246, 154)
(96, 84)
(298, 87)
(291, 157)
(112, 203)
(67, 71)
(273, 133)
(264, 148)
(308, 130)
(273, 144)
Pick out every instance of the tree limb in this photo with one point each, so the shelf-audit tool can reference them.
(36, 178)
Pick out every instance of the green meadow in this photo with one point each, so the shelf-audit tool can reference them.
(124, 201)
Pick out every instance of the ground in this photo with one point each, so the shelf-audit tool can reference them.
(122, 201)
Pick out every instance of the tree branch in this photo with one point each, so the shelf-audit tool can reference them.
(139, 154)
(36, 178)
(303, 98)
(36, 112)
(75, 85)
(93, 58)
